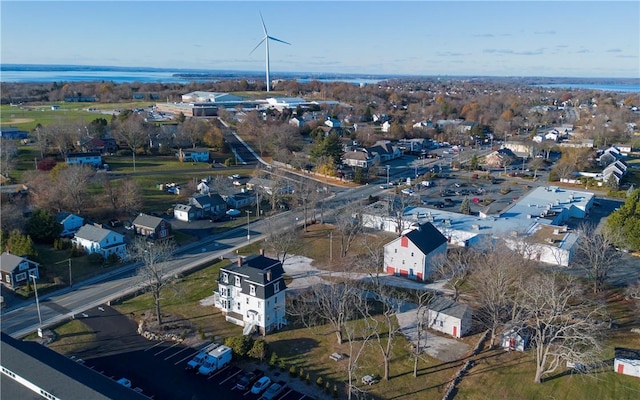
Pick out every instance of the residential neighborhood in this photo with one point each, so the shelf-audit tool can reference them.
(294, 228)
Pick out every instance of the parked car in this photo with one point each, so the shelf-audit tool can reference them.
(261, 385)
(248, 379)
(273, 391)
(124, 382)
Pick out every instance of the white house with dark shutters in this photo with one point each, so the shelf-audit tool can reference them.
(251, 293)
(413, 254)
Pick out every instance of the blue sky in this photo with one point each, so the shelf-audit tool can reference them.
(500, 38)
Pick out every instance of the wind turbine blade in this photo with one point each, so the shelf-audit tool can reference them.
(278, 40)
(264, 27)
(262, 41)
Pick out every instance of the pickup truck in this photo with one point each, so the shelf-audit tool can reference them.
(199, 358)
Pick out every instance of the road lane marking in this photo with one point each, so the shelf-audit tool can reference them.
(176, 353)
(168, 348)
(218, 371)
(157, 344)
(230, 377)
(186, 358)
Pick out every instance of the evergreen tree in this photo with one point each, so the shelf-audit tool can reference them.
(626, 221)
(21, 245)
(43, 227)
(465, 207)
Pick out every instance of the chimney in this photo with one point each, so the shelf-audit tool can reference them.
(262, 252)
(239, 261)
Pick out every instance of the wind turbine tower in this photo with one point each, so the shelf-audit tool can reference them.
(266, 39)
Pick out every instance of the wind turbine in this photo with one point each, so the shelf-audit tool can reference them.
(266, 39)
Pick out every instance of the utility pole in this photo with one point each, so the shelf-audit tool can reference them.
(331, 246)
(388, 167)
(69, 261)
(248, 231)
(35, 289)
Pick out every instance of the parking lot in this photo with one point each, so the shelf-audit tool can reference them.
(157, 369)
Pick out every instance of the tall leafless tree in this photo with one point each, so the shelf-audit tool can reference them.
(152, 275)
(494, 278)
(131, 133)
(596, 253)
(566, 324)
(332, 304)
(348, 225)
(281, 239)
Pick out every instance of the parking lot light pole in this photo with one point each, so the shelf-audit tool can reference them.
(248, 231)
(35, 289)
(388, 167)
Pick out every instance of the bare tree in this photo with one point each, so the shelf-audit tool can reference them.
(132, 134)
(348, 226)
(358, 337)
(596, 253)
(123, 195)
(8, 153)
(332, 304)
(281, 239)
(494, 277)
(306, 192)
(73, 182)
(455, 267)
(566, 325)
(192, 131)
(422, 299)
(152, 275)
(383, 323)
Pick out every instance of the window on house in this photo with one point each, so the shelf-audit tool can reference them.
(247, 301)
(252, 290)
(395, 251)
(20, 277)
(402, 262)
(237, 281)
(412, 254)
(225, 277)
(276, 287)
(441, 324)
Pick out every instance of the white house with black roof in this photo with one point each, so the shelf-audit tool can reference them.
(414, 253)
(251, 293)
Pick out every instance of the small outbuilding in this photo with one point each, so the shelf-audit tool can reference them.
(627, 361)
(515, 338)
(450, 317)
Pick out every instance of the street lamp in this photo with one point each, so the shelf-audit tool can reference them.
(248, 231)
(35, 289)
(388, 167)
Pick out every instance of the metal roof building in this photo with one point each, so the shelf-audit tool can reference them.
(30, 370)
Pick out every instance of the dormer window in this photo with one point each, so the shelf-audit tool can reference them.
(252, 290)
(237, 281)
(225, 277)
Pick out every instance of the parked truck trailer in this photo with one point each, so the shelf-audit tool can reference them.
(215, 360)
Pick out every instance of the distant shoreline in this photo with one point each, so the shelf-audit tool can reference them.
(41, 73)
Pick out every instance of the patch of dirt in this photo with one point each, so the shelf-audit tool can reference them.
(20, 120)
